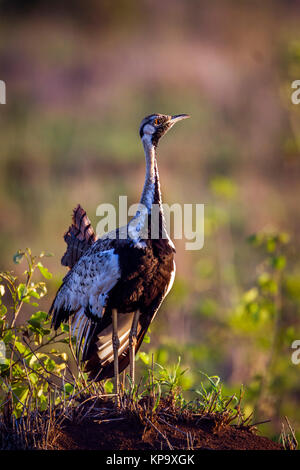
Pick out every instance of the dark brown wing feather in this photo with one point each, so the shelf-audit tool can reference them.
(78, 238)
(99, 371)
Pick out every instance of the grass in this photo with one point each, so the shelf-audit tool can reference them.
(154, 407)
(156, 401)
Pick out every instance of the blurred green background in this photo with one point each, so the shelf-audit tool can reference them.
(80, 76)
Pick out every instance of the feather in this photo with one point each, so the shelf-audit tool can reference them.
(86, 286)
(80, 334)
(100, 362)
(79, 237)
(88, 340)
(76, 319)
(86, 337)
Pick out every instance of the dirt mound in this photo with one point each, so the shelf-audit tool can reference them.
(124, 436)
(126, 431)
(95, 423)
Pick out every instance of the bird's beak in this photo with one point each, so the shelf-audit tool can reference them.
(178, 117)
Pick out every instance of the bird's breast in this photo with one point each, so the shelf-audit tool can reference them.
(145, 275)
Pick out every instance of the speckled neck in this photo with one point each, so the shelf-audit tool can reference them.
(151, 192)
(151, 195)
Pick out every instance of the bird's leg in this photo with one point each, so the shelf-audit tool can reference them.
(132, 344)
(116, 345)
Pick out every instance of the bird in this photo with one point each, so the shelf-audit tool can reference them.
(116, 284)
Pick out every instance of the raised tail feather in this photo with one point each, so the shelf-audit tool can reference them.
(100, 360)
(78, 238)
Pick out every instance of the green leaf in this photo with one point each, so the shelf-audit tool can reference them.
(3, 310)
(109, 386)
(144, 357)
(64, 328)
(284, 238)
(292, 286)
(146, 339)
(278, 262)
(20, 347)
(4, 369)
(271, 244)
(34, 378)
(50, 364)
(267, 284)
(8, 336)
(22, 291)
(39, 316)
(44, 271)
(254, 239)
(68, 388)
(21, 391)
(43, 402)
(37, 319)
(33, 293)
(250, 295)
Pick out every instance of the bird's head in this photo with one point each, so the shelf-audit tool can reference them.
(154, 126)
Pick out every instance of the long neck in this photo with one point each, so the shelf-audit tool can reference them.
(151, 191)
(151, 195)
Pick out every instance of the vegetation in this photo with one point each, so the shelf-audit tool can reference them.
(40, 392)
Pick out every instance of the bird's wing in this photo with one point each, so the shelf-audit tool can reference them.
(84, 292)
(79, 237)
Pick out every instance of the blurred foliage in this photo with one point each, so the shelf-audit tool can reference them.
(25, 368)
(257, 330)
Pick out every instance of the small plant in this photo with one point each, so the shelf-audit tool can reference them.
(211, 397)
(169, 379)
(288, 437)
(32, 367)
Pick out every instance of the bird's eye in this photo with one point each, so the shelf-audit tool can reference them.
(156, 121)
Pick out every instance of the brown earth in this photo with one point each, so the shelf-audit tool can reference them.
(125, 436)
(126, 431)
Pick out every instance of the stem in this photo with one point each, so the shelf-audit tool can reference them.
(40, 346)
(30, 262)
(274, 346)
(29, 276)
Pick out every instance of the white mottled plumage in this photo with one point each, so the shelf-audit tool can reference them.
(105, 348)
(88, 284)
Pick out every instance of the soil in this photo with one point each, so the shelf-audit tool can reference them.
(127, 431)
